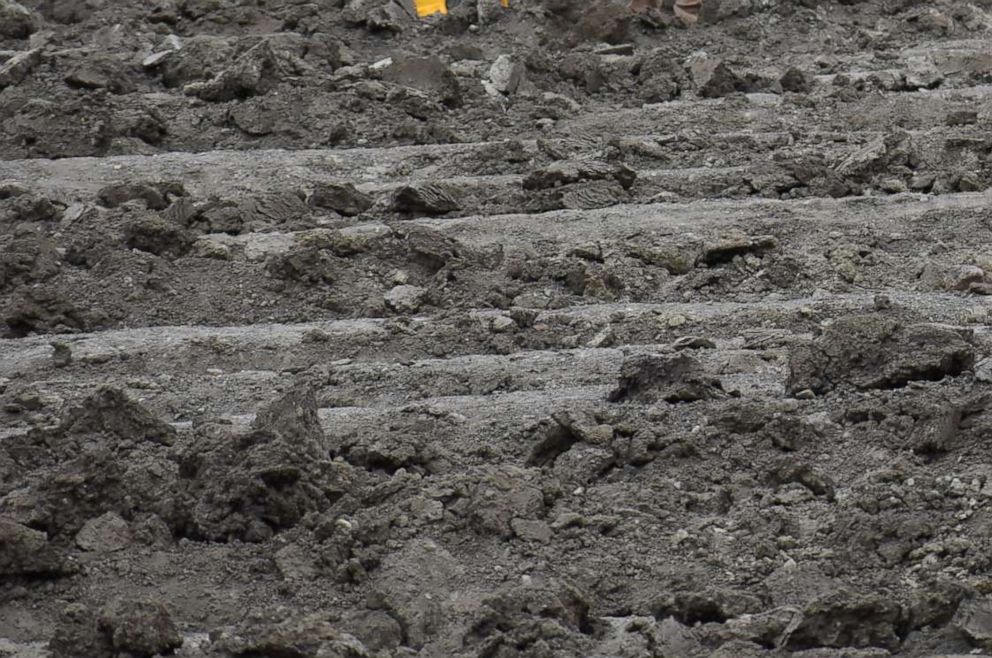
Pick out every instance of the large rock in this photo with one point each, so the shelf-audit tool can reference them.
(16, 20)
(427, 74)
(506, 74)
(974, 621)
(343, 198)
(104, 534)
(876, 352)
(100, 73)
(713, 78)
(26, 552)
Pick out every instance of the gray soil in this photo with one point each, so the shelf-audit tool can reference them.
(549, 331)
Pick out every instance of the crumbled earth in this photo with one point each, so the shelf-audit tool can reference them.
(551, 330)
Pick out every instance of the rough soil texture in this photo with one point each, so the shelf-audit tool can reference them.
(547, 331)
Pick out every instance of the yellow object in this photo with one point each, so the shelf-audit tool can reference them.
(431, 7)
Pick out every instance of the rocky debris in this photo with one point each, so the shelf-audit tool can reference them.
(425, 74)
(16, 20)
(250, 485)
(652, 378)
(886, 153)
(101, 73)
(712, 77)
(111, 412)
(298, 637)
(706, 605)
(566, 172)
(743, 509)
(18, 67)
(158, 236)
(252, 74)
(295, 564)
(558, 434)
(156, 196)
(493, 500)
(419, 199)
(139, 628)
(843, 619)
(27, 552)
(523, 619)
(406, 298)
(675, 258)
(786, 471)
(104, 534)
(311, 260)
(877, 352)
(974, 621)
(343, 198)
(414, 586)
(505, 76)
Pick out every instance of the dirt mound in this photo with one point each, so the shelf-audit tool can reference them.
(107, 454)
(249, 485)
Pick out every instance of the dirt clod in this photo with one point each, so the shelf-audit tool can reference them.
(876, 352)
(343, 198)
(654, 378)
(424, 199)
(140, 628)
(27, 552)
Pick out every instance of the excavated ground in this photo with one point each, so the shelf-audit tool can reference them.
(547, 332)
